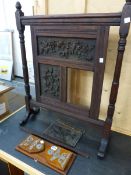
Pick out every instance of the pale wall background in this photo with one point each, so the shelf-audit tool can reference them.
(7, 16)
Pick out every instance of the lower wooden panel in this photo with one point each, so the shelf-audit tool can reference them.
(14, 170)
(18, 163)
(9, 169)
(75, 114)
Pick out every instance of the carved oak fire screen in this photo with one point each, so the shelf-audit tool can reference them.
(72, 41)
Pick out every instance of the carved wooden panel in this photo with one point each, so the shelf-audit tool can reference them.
(67, 48)
(50, 80)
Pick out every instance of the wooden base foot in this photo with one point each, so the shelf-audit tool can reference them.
(103, 148)
(28, 115)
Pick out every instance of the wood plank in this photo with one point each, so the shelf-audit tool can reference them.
(18, 163)
(66, 63)
(76, 115)
(44, 158)
(92, 19)
(8, 116)
(13, 170)
(99, 72)
(4, 89)
(63, 84)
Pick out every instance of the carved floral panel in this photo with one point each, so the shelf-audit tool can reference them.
(50, 80)
(67, 48)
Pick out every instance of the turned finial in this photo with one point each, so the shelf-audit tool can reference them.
(18, 15)
(18, 5)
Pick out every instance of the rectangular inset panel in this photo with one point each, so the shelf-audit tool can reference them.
(50, 80)
(66, 48)
(79, 87)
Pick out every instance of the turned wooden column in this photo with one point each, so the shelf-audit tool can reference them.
(21, 29)
(123, 33)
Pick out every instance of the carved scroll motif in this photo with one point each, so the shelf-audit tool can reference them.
(50, 80)
(67, 48)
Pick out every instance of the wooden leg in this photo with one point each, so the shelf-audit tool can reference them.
(103, 148)
(29, 114)
(14, 170)
(105, 139)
